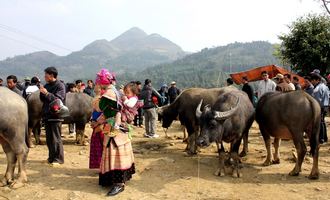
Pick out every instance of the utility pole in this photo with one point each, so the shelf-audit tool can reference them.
(230, 62)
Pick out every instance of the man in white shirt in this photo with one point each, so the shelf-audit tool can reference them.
(287, 78)
(265, 85)
(32, 88)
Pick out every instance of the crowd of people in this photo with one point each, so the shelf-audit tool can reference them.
(115, 111)
(314, 84)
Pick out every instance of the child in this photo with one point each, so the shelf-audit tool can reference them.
(130, 105)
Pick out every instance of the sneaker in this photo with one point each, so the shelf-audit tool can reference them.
(55, 164)
(147, 135)
(154, 136)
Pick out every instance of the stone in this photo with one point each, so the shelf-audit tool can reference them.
(74, 195)
(172, 144)
(52, 188)
(318, 189)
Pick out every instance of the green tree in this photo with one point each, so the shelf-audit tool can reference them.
(307, 45)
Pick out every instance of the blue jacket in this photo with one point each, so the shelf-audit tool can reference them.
(321, 94)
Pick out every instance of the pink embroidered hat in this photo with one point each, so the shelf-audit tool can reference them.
(104, 77)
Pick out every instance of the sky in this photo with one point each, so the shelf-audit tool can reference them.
(63, 26)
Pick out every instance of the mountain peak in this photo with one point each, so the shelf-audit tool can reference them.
(129, 36)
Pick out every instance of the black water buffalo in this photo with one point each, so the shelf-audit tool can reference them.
(35, 109)
(288, 116)
(14, 136)
(79, 104)
(229, 119)
(185, 106)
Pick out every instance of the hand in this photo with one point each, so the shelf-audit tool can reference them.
(124, 98)
(43, 90)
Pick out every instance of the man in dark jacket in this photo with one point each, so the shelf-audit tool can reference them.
(247, 88)
(90, 88)
(54, 89)
(149, 108)
(138, 119)
(173, 92)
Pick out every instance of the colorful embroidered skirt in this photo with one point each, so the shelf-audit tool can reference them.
(117, 164)
(96, 149)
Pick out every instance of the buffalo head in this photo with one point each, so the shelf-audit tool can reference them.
(212, 123)
(168, 115)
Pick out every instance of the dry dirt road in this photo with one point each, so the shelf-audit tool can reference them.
(165, 172)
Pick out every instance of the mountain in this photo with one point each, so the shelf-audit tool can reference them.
(133, 51)
(210, 66)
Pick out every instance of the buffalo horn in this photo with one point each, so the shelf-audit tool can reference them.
(226, 114)
(198, 110)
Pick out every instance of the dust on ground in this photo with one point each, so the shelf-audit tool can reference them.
(165, 172)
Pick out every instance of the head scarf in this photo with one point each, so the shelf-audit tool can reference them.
(104, 77)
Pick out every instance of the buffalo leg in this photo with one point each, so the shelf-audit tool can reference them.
(246, 139)
(268, 145)
(299, 143)
(236, 159)
(192, 135)
(245, 146)
(315, 169)
(36, 132)
(80, 130)
(277, 143)
(11, 162)
(222, 158)
(22, 178)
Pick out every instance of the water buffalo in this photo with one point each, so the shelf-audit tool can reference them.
(35, 109)
(79, 104)
(185, 106)
(288, 116)
(14, 136)
(228, 119)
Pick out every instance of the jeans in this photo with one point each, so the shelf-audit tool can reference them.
(150, 120)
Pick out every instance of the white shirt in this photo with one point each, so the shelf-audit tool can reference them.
(30, 89)
(265, 86)
(131, 102)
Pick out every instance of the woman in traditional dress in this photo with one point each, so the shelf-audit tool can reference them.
(117, 163)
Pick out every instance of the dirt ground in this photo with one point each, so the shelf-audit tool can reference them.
(165, 172)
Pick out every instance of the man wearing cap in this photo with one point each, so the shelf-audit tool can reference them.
(173, 92)
(265, 85)
(321, 94)
(282, 85)
(318, 72)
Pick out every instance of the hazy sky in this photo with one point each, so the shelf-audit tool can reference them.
(69, 25)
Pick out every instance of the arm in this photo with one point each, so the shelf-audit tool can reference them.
(131, 102)
(154, 92)
(49, 97)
